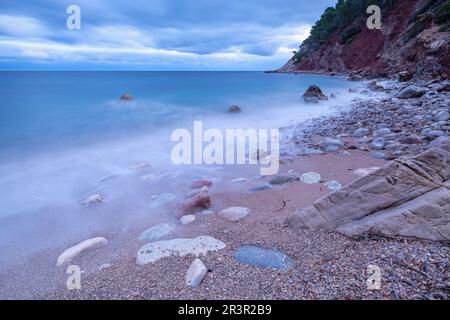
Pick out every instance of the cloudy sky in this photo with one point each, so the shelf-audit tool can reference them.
(154, 34)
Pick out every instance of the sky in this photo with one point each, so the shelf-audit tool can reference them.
(165, 35)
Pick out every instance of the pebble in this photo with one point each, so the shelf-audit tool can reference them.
(196, 273)
(156, 232)
(262, 257)
(234, 213)
(378, 144)
(331, 144)
(187, 219)
(442, 116)
(361, 132)
(382, 132)
(281, 179)
(333, 185)
(310, 177)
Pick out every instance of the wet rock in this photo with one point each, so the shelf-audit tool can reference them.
(156, 232)
(281, 179)
(93, 199)
(382, 132)
(442, 116)
(314, 94)
(361, 132)
(201, 183)
(194, 192)
(155, 251)
(161, 199)
(261, 187)
(234, 109)
(234, 213)
(187, 219)
(263, 258)
(139, 166)
(378, 144)
(412, 139)
(411, 92)
(310, 177)
(76, 250)
(331, 144)
(378, 155)
(333, 185)
(196, 273)
(405, 76)
(433, 134)
(194, 204)
(126, 97)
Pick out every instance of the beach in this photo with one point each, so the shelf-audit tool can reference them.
(323, 264)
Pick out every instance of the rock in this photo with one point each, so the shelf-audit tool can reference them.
(286, 160)
(382, 132)
(281, 179)
(161, 199)
(411, 92)
(378, 88)
(154, 251)
(126, 97)
(333, 185)
(206, 212)
(234, 109)
(361, 172)
(442, 116)
(76, 250)
(405, 76)
(305, 151)
(196, 273)
(196, 203)
(200, 183)
(381, 126)
(310, 177)
(441, 142)
(377, 155)
(412, 139)
(156, 232)
(332, 96)
(261, 187)
(406, 197)
(234, 213)
(355, 77)
(361, 132)
(139, 166)
(314, 94)
(239, 180)
(93, 199)
(187, 219)
(433, 134)
(378, 144)
(194, 192)
(330, 145)
(262, 257)
(444, 88)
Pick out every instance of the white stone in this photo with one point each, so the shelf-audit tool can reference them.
(155, 251)
(239, 180)
(187, 219)
(234, 213)
(361, 172)
(196, 273)
(76, 250)
(95, 198)
(333, 185)
(207, 212)
(310, 177)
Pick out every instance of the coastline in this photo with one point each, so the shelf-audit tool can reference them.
(327, 265)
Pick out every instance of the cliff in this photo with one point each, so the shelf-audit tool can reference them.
(414, 40)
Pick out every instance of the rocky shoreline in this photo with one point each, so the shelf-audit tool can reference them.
(243, 241)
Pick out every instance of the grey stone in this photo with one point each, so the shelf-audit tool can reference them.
(378, 144)
(411, 92)
(234, 213)
(361, 132)
(262, 257)
(331, 144)
(377, 155)
(261, 187)
(442, 116)
(196, 273)
(382, 132)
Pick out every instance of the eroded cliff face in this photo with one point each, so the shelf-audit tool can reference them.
(385, 52)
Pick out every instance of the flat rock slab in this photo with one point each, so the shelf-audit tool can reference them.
(156, 232)
(155, 251)
(262, 257)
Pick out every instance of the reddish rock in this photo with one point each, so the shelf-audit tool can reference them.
(196, 203)
(200, 183)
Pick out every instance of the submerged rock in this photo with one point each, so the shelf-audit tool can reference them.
(93, 199)
(201, 183)
(156, 232)
(234, 109)
(161, 199)
(76, 250)
(234, 213)
(196, 203)
(314, 94)
(196, 273)
(262, 257)
(126, 97)
(155, 251)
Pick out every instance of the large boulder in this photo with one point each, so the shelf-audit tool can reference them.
(407, 197)
(314, 95)
(411, 92)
